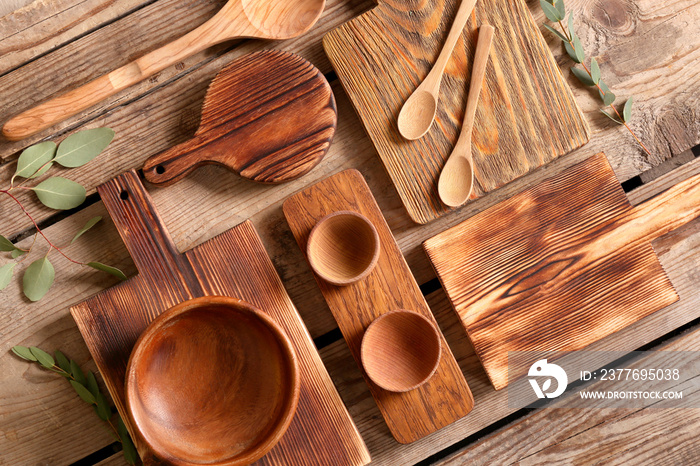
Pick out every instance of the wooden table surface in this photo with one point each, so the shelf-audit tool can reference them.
(647, 48)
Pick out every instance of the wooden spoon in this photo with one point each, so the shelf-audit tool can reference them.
(457, 176)
(261, 19)
(418, 112)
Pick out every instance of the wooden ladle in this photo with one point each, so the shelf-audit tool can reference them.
(457, 176)
(418, 112)
(261, 19)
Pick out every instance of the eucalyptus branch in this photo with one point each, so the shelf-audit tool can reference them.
(87, 389)
(56, 193)
(555, 11)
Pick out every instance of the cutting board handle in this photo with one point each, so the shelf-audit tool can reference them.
(172, 165)
(665, 212)
(143, 231)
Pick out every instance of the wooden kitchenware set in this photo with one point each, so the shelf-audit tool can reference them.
(556, 267)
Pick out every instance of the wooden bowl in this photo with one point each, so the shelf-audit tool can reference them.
(212, 380)
(401, 350)
(343, 247)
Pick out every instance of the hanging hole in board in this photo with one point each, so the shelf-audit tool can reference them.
(160, 169)
(124, 195)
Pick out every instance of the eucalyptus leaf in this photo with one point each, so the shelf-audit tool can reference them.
(595, 70)
(77, 373)
(106, 268)
(62, 361)
(627, 110)
(80, 148)
(44, 358)
(23, 352)
(18, 252)
(38, 278)
(555, 32)
(559, 5)
(578, 49)
(571, 24)
(6, 274)
(102, 409)
(582, 76)
(570, 50)
(60, 193)
(609, 98)
(611, 117)
(6, 244)
(83, 392)
(92, 384)
(128, 448)
(90, 223)
(35, 157)
(550, 11)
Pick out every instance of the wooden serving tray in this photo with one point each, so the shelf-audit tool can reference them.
(232, 264)
(445, 397)
(559, 265)
(526, 117)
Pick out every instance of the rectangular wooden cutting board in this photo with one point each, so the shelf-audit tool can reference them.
(559, 265)
(526, 117)
(234, 264)
(445, 397)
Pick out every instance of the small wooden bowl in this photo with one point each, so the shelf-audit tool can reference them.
(212, 380)
(343, 247)
(401, 350)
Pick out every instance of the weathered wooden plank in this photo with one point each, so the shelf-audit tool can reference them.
(648, 435)
(131, 37)
(116, 459)
(8, 6)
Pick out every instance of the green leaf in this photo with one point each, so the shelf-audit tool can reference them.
(92, 384)
(128, 448)
(44, 358)
(35, 157)
(83, 392)
(106, 268)
(60, 193)
(626, 112)
(582, 76)
(595, 70)
(571, 25)
(559, 5)
(570, 50)
(555, 32)
(6, 274)
(550, 11)
(77, 373)
(90, 223)
(80, 148)
(38, 278)
(102, 409)
(6, 244)
(62, 361)
(23, 352)
(18, 252)
(608, 97)
(578, 49)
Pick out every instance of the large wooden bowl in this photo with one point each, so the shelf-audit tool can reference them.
(212, 380)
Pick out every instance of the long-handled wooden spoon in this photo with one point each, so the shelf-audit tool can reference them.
(457, 176)
(261, 19)
(418, 112)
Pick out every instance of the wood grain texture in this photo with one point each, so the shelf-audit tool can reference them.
(650, 434)
(232, 264)
(269, 116)
(445, 397)
(384, 54)
(572, 264)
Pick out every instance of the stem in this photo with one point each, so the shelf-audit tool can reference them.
(602, 92)
(7, 191)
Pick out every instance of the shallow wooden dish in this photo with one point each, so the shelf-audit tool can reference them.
(212, 380)
(343, 247)
(401, 350)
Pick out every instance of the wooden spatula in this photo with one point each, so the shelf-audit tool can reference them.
(269, 116)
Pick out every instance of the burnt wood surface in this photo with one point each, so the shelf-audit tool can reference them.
(390, 286)
(232, 264)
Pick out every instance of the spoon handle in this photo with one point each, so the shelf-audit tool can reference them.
(435, 76)
(481, 58)
(66, 105)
